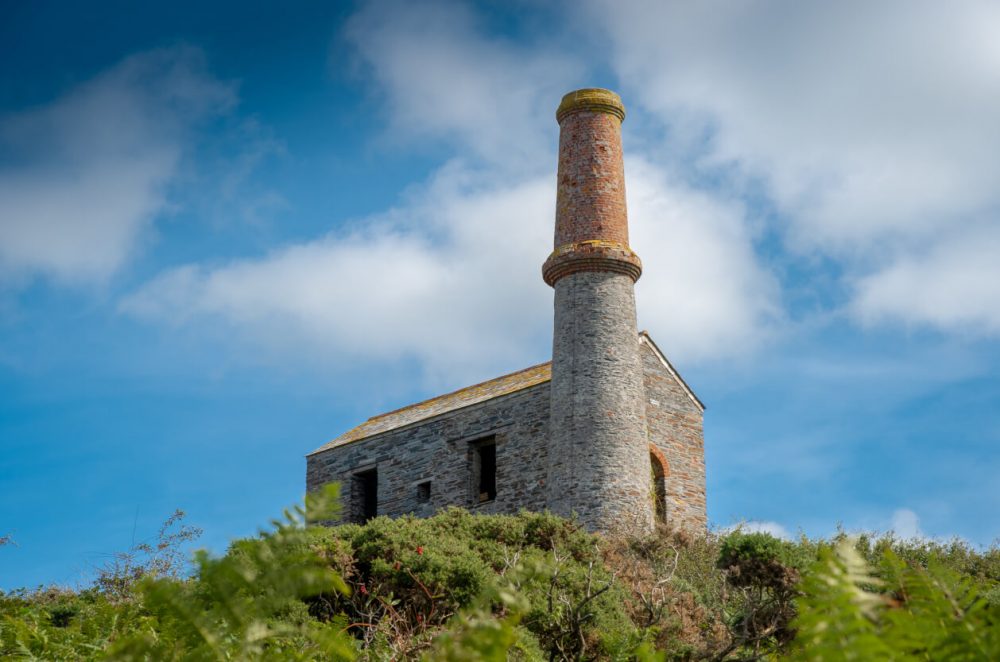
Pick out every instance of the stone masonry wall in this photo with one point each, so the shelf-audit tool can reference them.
(440, 450)
(580, 443)
(598, 448)
(675, 426)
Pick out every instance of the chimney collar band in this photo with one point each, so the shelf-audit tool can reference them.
(594, 99)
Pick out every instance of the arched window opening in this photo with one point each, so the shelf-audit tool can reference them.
(658, 487)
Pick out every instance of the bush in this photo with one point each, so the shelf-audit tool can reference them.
(905, 611)
(759, 557)
(982, 566)
(674, 593)
(531, 586)
(410, 577)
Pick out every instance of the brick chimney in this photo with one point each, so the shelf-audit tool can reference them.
(598, 457)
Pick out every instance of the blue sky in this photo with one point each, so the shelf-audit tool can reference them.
(230, 232)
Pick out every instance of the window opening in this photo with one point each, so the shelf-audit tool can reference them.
(484, 465)
(424, 492)
(366, 495)
(658, 488)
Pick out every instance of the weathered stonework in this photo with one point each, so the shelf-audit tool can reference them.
(591, 232)
(439, 449)
(599, 465)
(598, 448)
(590, 185)
(607, 432)
(674, 417)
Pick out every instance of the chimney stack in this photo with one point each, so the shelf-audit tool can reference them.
(598, 455)
(591, 220)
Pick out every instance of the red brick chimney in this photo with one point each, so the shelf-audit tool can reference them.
(591, 220)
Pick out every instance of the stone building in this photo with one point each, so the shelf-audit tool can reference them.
(607, 431)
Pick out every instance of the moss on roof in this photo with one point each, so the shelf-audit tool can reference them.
(442, 404)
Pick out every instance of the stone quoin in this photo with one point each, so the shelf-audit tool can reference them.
(607, 431)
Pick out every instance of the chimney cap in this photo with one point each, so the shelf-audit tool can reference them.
(594, 99)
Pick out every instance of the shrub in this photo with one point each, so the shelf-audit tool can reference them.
(164, 557)
(410, 578)
(904, 612)
(764, 571)
(674, 593)
(531, 586)
(982, 566)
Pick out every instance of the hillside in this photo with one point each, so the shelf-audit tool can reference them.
(525, 587)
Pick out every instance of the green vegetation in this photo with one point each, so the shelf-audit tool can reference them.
(525, 587)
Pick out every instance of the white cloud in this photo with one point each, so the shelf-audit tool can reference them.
(906, 524)
(451, 277)
(756, 526)
(867, 119)
(444, 77)
(84, 175)
(872, 125)
(954, 284)
(440, 280)
(703, 293)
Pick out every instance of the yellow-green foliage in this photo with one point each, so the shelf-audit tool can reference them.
(410, 577)
(526, 587)
(901, 611)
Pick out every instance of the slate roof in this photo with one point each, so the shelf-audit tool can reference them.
(472, 395)
(442, 404)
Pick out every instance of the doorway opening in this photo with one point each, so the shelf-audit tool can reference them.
(365, 489)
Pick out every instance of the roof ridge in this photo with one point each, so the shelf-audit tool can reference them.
(473, 394)
(456, 391)
(670, 368)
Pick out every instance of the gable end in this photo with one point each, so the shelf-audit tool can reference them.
(645, 339)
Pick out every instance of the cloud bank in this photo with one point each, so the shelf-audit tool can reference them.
(451, 277)
(873, 140)
(872, 126)
(444, 76)
(438, 281)
(83, 177)
(905, 524)
(758, 526)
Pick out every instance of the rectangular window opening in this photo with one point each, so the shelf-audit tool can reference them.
(424, 491)
(484, 467)
(365, 488)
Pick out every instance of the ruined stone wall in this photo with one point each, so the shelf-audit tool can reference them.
(675, 427)
(440, 450)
